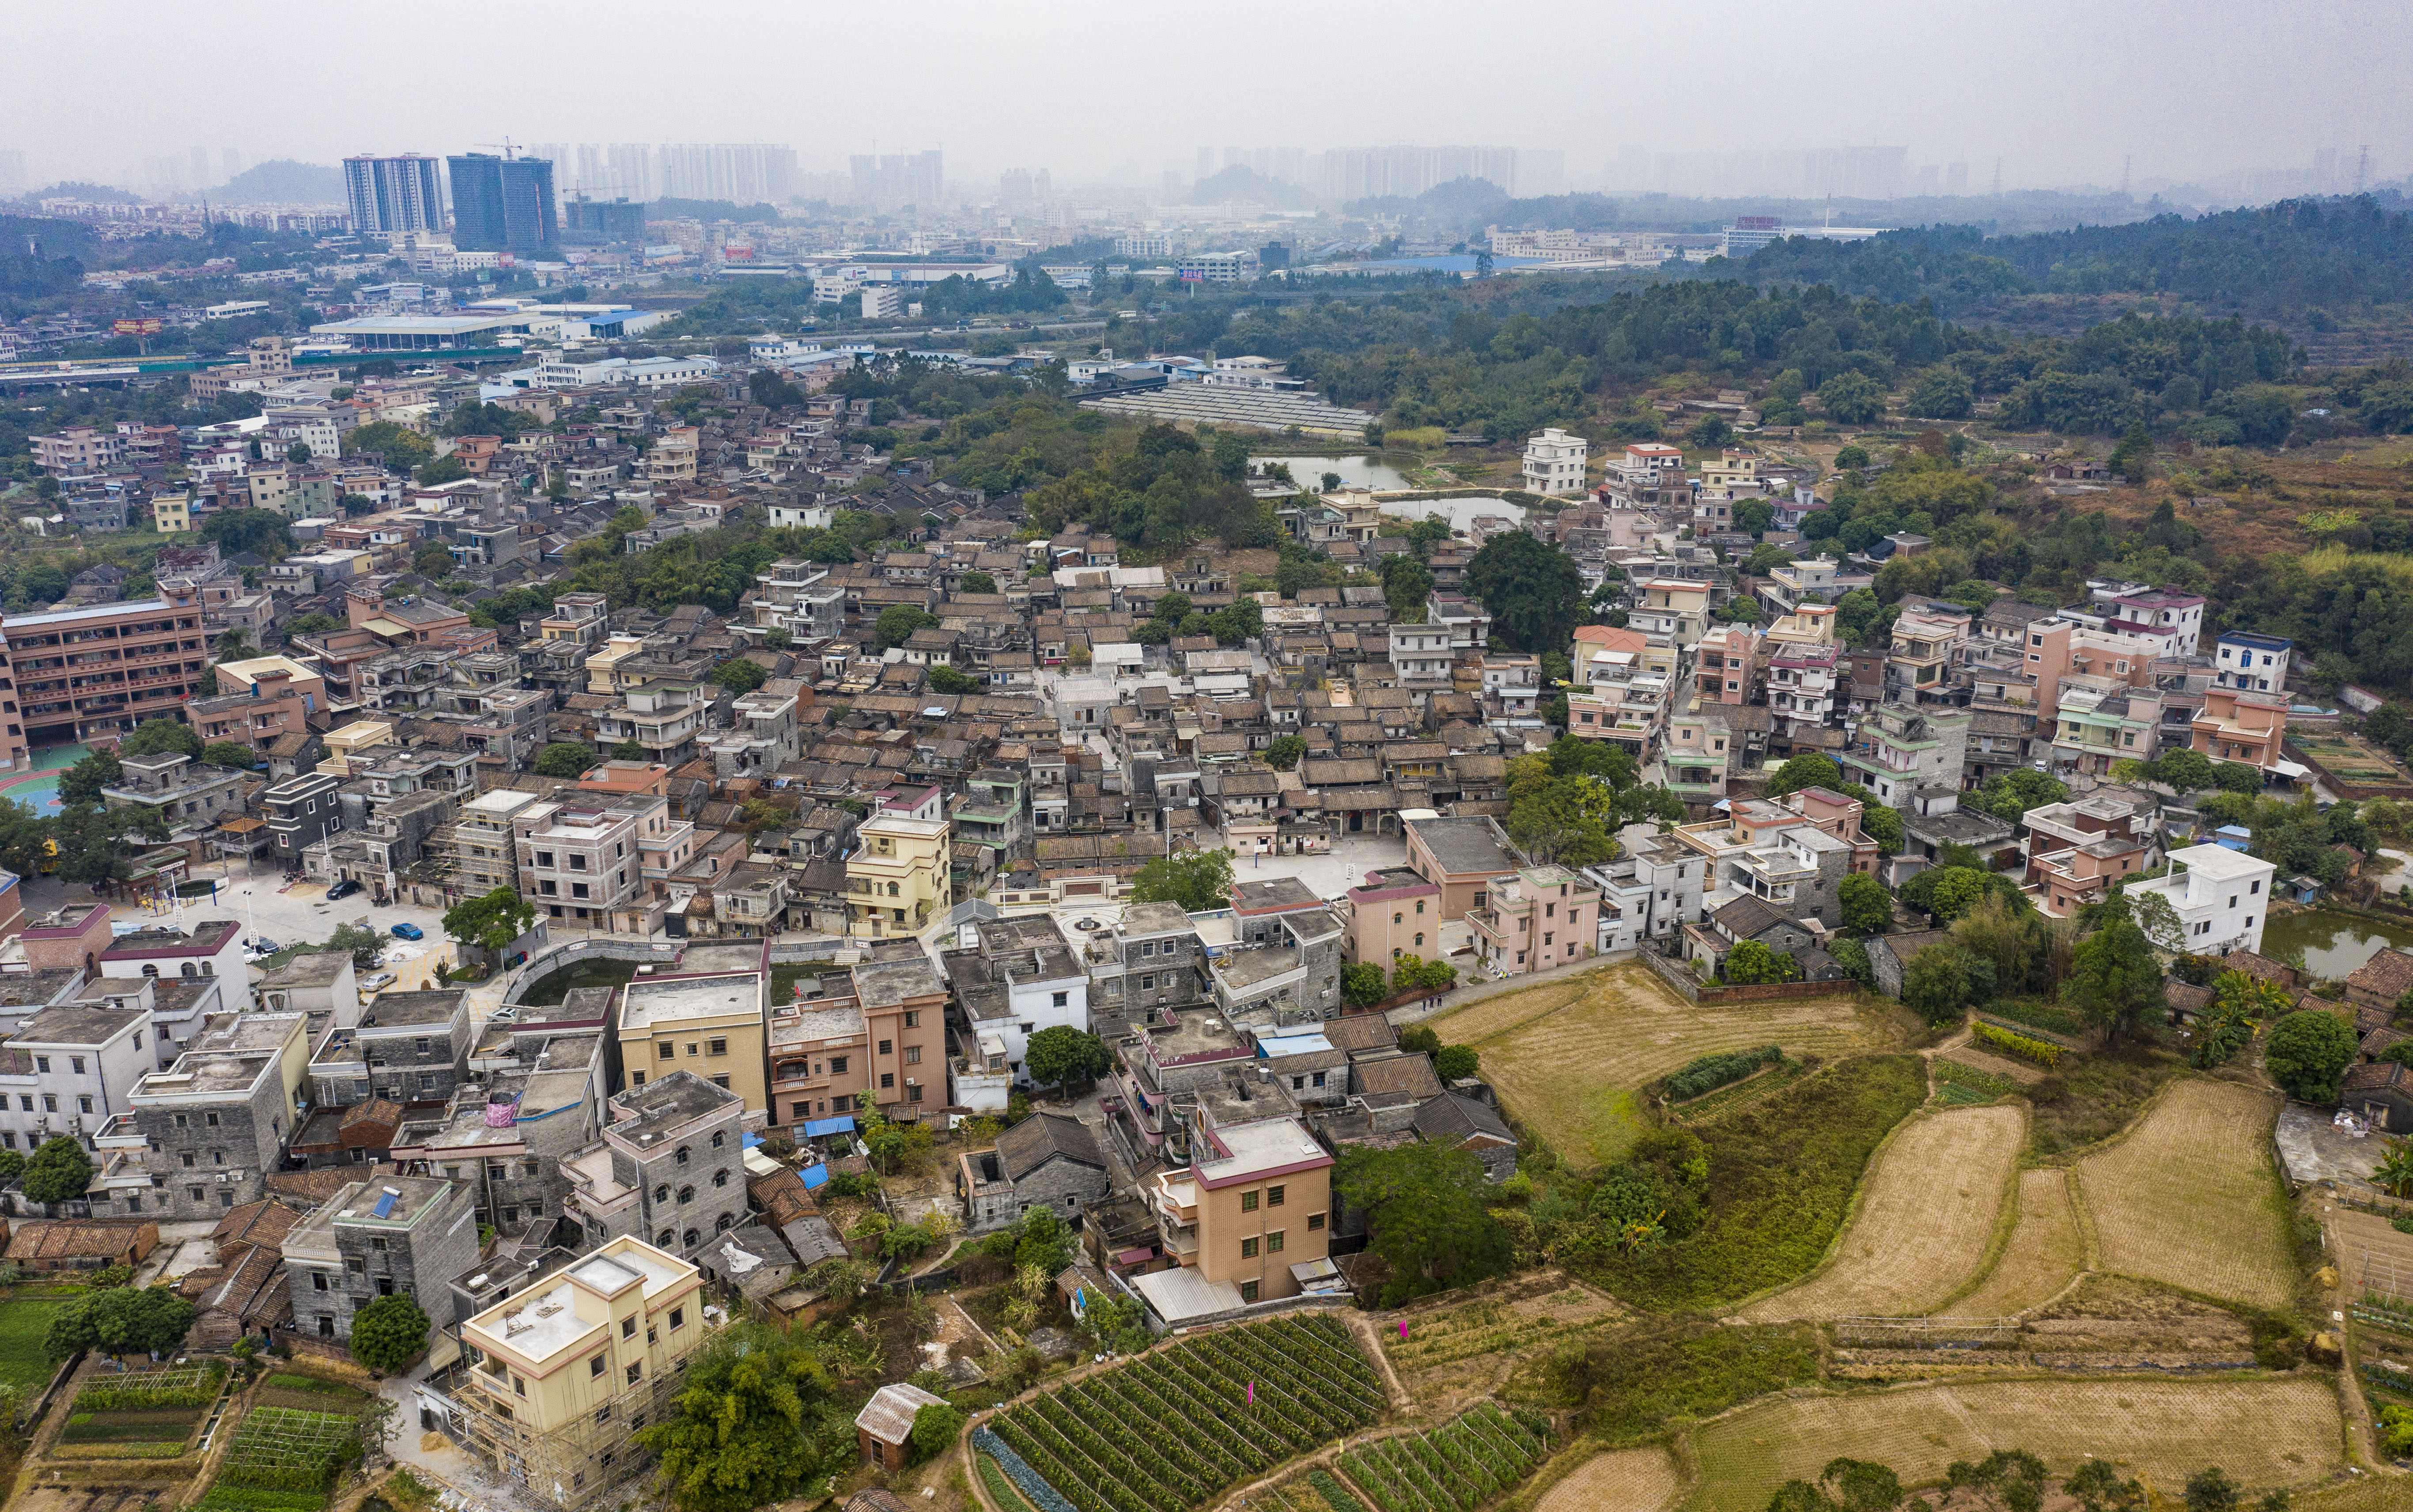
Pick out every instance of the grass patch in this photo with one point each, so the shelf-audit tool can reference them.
(1750, 1089)
(25, 1323)
(2089, 1098)
(1970, 1084)
(152, 1427)
(2035, 1014)
(1781, 1173)
(289, 1381)
(1000, 1489)
(1660, 1373)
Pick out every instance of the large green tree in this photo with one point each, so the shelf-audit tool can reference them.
(121, 1320)
(1199, 881)
(1532, 590)
(388, 1332)
(897, 622)
(2306, 1052)
(1867, 907)
(750, 1425)
(1061, 1054)
(59, 1171)
(158, 737)
(490, 921)
(2115, 980)
(1428, 1217)
(564, 759)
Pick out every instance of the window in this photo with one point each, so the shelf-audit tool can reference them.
(628, 1325)
(913, 1020)
(912, 1092)
(1273, 1196)
(75, 1063)
(83, 1104)
(594, 1368)
(602, 1414)
(1314, 1222)
(716, 1047)
(1274, 1242)
(1248, 1202)
(888, 1080)
(1061, 999)
(664, 1050)
(837, 1065)
(42, 1064)
(1248, 1247)
(318, 1281)
(519, 1388)
(1248, 1291)
(678, 1319)
(912, 1058)
(687, 1195)
(887, 1048)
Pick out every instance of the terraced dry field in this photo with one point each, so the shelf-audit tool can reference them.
(2045, 1252)
(1569, 1059)
(2263, 1433)
(1927, 1215)
(2189, 1198)
(1629, 1480)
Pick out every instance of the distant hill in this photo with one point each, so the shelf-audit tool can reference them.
(1242, 185)
(2316, 258)
(282, 181)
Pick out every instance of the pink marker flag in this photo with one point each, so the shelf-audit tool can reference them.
(1403, 1330)
(1252, 1393)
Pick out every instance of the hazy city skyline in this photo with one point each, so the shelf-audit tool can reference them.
(2061, 95)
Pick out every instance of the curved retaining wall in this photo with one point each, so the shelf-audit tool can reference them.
(560, 957)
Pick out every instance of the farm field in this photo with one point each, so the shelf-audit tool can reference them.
(1631, 1480)
(2045, 1252)
(2189, 1197)
(1463, 1463)
(1570, 1059)
(1926, 1217)
(2263, 1433)
(1180, 1426)
(1454, 1350)
(24, 1323)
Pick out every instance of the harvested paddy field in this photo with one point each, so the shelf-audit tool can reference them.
(1630, 1480)
(1926, 1218)
(2263, 1433)
(1570, 1059)
(2189, 1197)
(2045, 1252)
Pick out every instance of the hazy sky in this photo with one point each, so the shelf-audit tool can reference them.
(2060, 90)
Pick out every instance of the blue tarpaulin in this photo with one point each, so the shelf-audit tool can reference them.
(815, 1128)
(815, 1176)
(748, 1141)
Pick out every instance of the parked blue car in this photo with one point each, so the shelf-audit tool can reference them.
(408, 931)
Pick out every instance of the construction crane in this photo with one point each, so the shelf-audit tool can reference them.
(507, 144)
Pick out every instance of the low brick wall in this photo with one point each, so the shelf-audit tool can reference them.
(1677, 975)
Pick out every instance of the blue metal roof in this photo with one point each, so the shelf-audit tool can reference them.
(816, 1175)
(818, 1126)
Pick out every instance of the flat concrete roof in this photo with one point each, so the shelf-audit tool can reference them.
(652, 1003)
(1462, 847)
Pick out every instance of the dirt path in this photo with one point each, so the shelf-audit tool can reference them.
(1371, 1342)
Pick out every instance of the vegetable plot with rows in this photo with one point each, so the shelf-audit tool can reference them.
(285, 1449)
(1176, 1426)
(1454, 1468)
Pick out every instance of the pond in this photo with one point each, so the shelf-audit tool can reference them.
(2335, 944)
(594, 973)
(1355, 472)
(1459, 510)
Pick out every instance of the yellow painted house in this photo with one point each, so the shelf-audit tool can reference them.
(896, 881)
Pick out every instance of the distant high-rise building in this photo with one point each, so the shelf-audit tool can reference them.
(1206, 162)
(1956, 178)
(199, 158)
(746, 173)
(613, 220)
(502, 205)
(394, 196)
(232, 161)
(899, 179)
